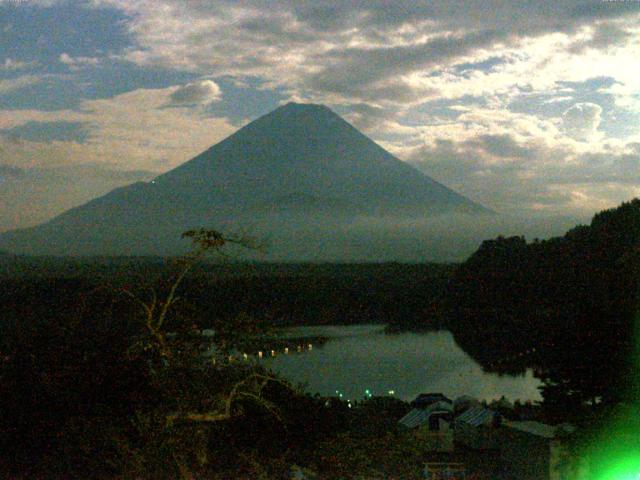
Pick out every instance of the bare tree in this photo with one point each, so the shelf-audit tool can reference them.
(202, 390)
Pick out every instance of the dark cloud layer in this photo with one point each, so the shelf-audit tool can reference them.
(351, 48)
(48, 132)
(353, 70)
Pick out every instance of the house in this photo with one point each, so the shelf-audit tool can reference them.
(510, 450)
(430, 422)
(474, 428)
(534, 450)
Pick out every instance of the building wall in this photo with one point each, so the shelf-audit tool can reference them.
(441, 441)
(506, 453)
(523, 456)
(478, 438)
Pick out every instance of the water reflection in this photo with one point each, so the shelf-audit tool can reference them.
(359, 358)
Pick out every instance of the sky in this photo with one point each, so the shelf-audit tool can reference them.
(530, 108)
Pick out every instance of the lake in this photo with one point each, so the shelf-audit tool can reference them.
(353, 359)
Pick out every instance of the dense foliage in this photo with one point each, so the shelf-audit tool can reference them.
(117, 381)
(79, 402)
(565, 306)
(282, 294)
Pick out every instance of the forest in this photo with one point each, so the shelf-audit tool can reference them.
(105, 372)
(566, 306)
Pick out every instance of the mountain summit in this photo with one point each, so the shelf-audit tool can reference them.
(297, 167)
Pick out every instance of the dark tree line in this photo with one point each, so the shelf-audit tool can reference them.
(565, 306)
(293, 294)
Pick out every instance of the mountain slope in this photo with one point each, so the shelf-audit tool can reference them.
(298, 166)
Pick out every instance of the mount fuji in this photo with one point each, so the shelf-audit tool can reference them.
(300, 169)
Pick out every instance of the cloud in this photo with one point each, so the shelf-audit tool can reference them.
(560, 99)
(502, 146)
(129, 131)
(581, 121)
(48, 131)
(11, 64)
(11, 84)
(389, 55)
(348, 49)
(75, 63)
(514, 173)
(194, 93)
(29, 196)
(370, 118)
(37, 3)
(354, 69)
(603, 36)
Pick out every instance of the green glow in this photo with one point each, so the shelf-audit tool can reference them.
(616, 453)
(622, 469)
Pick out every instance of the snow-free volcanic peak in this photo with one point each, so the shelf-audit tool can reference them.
(300, 167)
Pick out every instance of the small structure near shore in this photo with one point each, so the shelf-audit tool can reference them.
(430, 422)
(479, 441)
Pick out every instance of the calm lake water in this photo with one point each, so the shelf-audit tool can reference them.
(356, 358)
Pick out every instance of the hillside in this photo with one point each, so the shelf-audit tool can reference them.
(566, 306)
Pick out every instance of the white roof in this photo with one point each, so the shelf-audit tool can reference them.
(477, 416)
(414, 418)
(420, 416)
